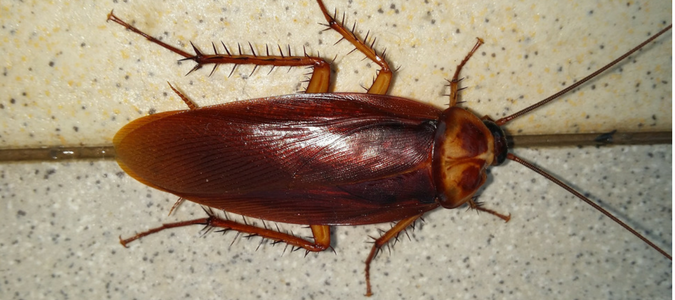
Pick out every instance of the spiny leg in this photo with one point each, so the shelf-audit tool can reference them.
(473, 204)
(454, 83)
(318, 82)
(321, 233)
(192, 105)
(381, 241)
(178, 203)
(381, 84)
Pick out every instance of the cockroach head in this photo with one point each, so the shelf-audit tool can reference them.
(464, 147)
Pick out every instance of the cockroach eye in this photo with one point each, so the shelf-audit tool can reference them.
(501, 147)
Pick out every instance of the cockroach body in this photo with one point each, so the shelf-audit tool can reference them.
(319, 158)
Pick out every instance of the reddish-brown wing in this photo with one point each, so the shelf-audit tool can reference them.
(308, 158)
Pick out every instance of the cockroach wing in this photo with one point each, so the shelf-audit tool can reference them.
(309, 158)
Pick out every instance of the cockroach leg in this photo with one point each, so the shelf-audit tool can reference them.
(384, 239)
(321, 233)
(112, 17)
(201, 221)
(473, 204)
(454, 83)
(191, 104)
(318, 83)
(176, 205)
(381, 84)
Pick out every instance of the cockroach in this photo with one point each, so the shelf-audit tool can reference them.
(320, 158)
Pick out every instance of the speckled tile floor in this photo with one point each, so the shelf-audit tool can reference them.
(70, 78)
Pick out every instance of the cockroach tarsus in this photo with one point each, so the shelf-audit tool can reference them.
(304, 159)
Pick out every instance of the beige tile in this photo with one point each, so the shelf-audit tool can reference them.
(71, 78)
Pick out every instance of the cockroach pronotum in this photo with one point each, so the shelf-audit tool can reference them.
(320, 158)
